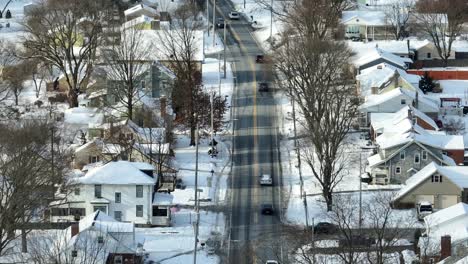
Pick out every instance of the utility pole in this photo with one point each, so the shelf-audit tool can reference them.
(212, 127)
(208, 17)
(214, 22)
(271, 22)
(219, 74)
(360, 191)
(196, 195)
(225, 26)
(306, 211)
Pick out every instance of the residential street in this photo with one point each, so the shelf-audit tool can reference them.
(255, 152)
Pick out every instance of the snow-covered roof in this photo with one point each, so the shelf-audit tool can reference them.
(153, 39)
(378, 99)
(139, 8)
(443, 142)
(456, 174)
(119, 173)
(154, 148)
(377, 53)
(447, 214)
(358, 17)
(401, 121)
(379, 75)
(163, 199)
(374, 160)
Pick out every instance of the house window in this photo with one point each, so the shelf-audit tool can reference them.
(416, 158)
(403, 101)
(100, 239)
(429, 55)
(118, 197)
(118, 215)
(402, 155)
(77, 191)
(94, 159)
(118, 259)
(436, 178)
(159, 211)
(143, 84)
(424, 155)
(74, 253)
(101, 208)
(444, 153)
(139, 191)
(98, 191)
(139, 211)
(397, 170)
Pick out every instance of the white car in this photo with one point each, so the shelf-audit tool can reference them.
(272, 262)
(266, 179)
(234, 15)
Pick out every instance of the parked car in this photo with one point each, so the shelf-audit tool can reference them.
(267, 209)
(220, 23)
(424, 209)
(271, 262)
(260, 58)
(324, 228)
(266, 179)
(234, 15)
(263, 87)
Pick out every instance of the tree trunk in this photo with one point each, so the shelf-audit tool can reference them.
(24, 243)
(192, 135)
(72, 98)
(328, 199)
(16, 98)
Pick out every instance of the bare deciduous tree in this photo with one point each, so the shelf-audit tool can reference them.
(316, 75)
(31, 164)
(15, 76)
(42, 73)
(181, 45)
(66, 34)
(397, 15)
(442, 21)
(7, 58)
(126, 69)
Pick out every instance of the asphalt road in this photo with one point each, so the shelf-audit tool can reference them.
(255, 152)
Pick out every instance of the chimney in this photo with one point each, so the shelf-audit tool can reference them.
(163, 102)
(75, 229)
(374, 90)
(445, 247)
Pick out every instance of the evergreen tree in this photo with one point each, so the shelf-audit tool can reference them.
(426, 84)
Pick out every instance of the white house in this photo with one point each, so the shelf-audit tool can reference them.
(365, 24)
(121, 189)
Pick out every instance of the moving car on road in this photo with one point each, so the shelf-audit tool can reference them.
(263, 87)
(234, 15)
(220, 23)
(267, 209)
(266, 179)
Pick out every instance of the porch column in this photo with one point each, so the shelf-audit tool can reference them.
(366, 34)
(373, 33)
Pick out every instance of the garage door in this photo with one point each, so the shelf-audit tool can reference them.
(447, 201)
(424, 198)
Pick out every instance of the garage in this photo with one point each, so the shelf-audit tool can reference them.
(447, 201)
(424, 198)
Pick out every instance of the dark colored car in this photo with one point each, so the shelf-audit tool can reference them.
(260, 58)
(324, 228)
(267, 209)
(220, 23)
(263, 87)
